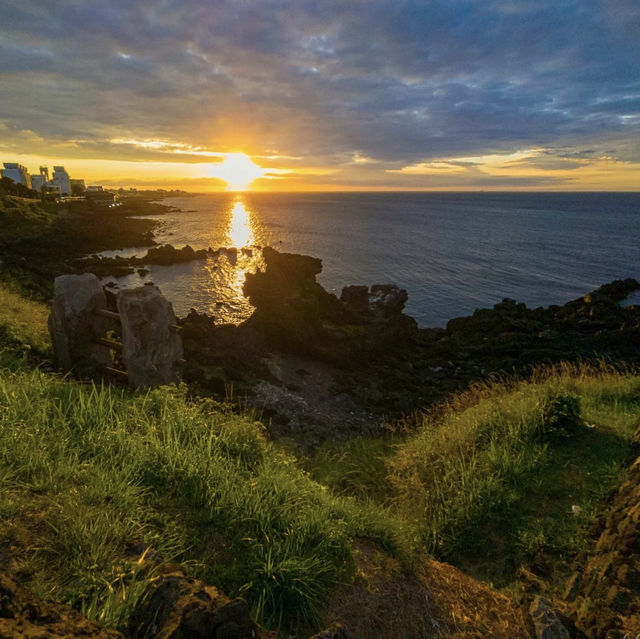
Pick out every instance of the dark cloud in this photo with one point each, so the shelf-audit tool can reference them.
(398, 81)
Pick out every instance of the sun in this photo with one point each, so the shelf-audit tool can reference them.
(238, 170)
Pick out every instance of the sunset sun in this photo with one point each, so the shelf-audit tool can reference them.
(238, 171)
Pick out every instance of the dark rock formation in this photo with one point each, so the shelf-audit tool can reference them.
(22, 615)
(382, 359)
(291, 307)
(167, 255)
(336, 631)
(604, 593)
(119, 266)
(183, 608)
(296, 314)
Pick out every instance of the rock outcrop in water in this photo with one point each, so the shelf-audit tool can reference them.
(118, 266)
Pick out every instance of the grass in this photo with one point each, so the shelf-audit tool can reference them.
(512, 473)
(23, 322)
(20, 217)
(87, 472)
(358, 468)
(503, 475)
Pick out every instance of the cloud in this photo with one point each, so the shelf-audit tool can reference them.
(404, 83)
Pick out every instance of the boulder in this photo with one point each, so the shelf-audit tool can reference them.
(336, 631)
(183, 608)
(150, 349)
(74, 326)
(546, 620)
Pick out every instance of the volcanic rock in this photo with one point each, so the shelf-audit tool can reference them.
(181, 607)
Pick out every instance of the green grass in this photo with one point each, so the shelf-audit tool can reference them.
(502, 475)
(20, 217)
(509, 474)
(23, 322)
(357, 468)
(87, 471)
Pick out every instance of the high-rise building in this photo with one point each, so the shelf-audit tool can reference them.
(37, 182)
(61, 179)
(17, 173)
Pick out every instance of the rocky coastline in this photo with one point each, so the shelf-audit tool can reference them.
(323, 368)
(309, 360)
(306, 356)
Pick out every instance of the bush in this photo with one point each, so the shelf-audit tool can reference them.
(561, 416)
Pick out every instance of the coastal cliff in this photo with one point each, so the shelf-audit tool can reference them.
(334, 469)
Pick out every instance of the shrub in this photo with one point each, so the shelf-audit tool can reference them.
(560, 415)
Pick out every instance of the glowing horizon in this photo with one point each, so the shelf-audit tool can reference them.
(238, 171)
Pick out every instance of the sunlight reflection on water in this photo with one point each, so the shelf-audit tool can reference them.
(240, 228)
(213, 286)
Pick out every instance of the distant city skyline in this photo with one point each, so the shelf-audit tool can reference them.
(465, 95)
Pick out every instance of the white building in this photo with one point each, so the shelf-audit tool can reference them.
(37, 182)
(61, 179)
(17, 173)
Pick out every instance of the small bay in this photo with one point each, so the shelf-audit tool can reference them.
(453, 252)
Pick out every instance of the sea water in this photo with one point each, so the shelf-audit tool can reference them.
(452, 252)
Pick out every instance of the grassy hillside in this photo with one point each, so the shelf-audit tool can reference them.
(502, 476)
(88, 472)
(21, 217)
(505, 476)
(23, 322)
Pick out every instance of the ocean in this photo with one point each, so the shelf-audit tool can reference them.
(452, 252)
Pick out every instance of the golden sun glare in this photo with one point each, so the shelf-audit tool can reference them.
(238, 170)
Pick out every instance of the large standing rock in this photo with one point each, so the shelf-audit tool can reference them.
(150, 350)
(74, 326)
(291, 307)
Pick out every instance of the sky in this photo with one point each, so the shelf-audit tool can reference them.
(326, 94)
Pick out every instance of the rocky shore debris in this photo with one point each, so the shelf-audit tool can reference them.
(298, 326)
(378, 356)
(151, 346)
(179, 606)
